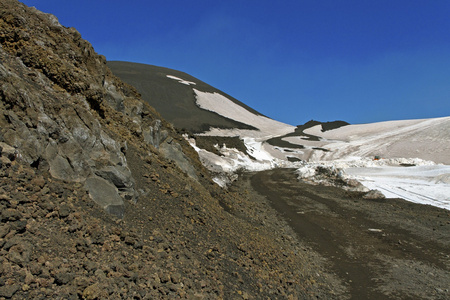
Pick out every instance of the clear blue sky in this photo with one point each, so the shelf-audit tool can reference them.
(293, 60)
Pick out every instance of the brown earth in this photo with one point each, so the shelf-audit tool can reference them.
(380, 249)
(176, 242)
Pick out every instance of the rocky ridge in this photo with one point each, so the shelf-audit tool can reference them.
(61, 104)
(101, 198)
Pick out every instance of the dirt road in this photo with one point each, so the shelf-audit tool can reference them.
(381, 249)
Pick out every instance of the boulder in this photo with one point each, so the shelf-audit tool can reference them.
(121, 177)
(60, 168)
(7, 151)
(173, 151)
(105, 194)
(118, 175)
(374, 194)
(153, 135)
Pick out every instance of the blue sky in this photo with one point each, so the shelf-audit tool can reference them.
(293, 60)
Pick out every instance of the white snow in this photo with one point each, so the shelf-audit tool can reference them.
(428, 139)
(425, 182)
(419, 184)
(233, 160)
(181, 80)
(422, 143)
(223, 106)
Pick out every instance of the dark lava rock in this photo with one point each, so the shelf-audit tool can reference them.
(8, 291)
(63, 278)
(19, 226)
(10, 215)
(64, 210)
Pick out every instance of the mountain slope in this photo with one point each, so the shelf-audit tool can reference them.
(171, 93)
(184, 100)
(101, 199)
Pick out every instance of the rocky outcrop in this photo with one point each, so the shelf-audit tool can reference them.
(7, 154)
(173, 151)
(57, 100)
(153, 134)
(55, 130)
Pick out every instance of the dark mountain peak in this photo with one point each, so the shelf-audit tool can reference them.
(173, 99)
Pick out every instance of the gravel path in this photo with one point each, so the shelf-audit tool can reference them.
(380, 249)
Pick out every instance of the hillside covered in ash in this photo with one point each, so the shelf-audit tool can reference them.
(101, 198)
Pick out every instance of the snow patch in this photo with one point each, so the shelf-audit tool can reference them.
(223, 106)
(181, 80)
(420, 184)
(414, 180)
(232, 160)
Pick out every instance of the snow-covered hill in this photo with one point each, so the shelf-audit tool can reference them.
(428, 139)
(408, 159)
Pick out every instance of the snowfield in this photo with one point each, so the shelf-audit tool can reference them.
(420, 184)
(414, 180)
(225, 107)
(414, 164)
(428, 139)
